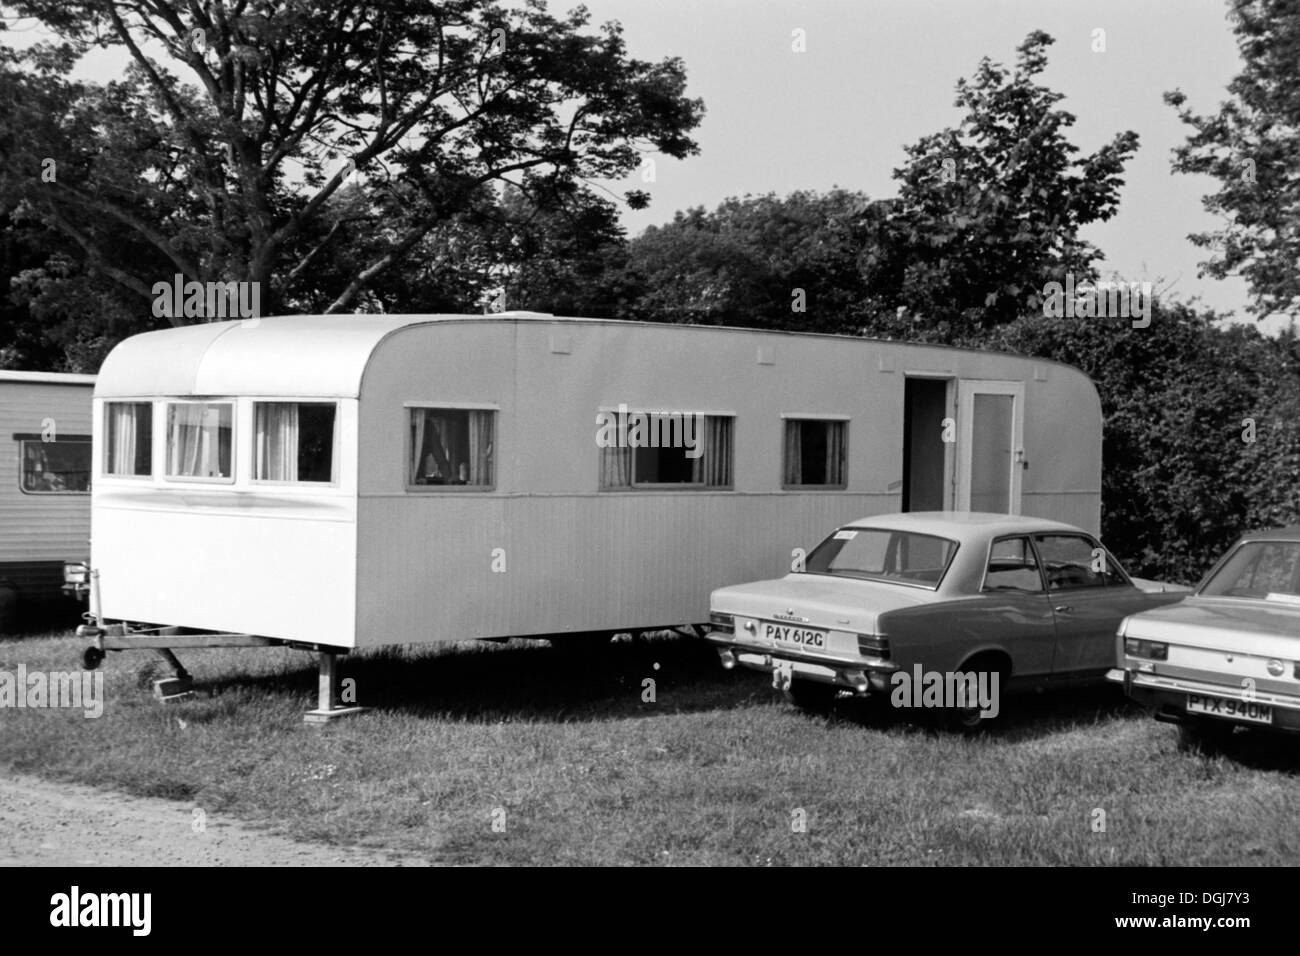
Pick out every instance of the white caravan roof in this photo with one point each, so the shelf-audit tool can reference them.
(306, 355)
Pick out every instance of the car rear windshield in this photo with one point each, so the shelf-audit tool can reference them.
(883, 555)
(1259, 569)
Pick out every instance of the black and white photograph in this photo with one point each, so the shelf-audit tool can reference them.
(689, 433)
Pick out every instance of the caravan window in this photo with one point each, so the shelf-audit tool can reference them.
(295, 441)
(129, 426)
(54, 467)
(814, 453)
(199, 440)
(450, 447)
(646, 451)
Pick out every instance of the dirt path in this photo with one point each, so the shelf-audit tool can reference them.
(63, 824)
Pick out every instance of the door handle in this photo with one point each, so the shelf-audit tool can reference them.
(1064, 608)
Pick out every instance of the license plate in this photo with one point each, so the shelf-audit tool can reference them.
(1231, 708)
(795, 636)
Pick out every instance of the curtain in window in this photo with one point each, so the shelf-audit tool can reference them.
(440, 467)
(793, 453)
(417, 443)
(34, 467)
(185, 439)
(432, 431)
(122, 427)
(717, 450)
(615, 467)
(480, 448)
(835, 453)
(277, 441)
(198, 441)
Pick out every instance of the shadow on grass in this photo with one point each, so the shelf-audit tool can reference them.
(1264, 750)
(522, 680)
(1023, 716)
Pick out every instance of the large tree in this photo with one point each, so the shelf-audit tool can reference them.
(990, 211)
(1252, 146)
(219, 152)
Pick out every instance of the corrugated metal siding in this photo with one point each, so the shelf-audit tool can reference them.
(40, 528)
(592, 562)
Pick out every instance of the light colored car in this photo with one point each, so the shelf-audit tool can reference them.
(1227, 656)
(907, 606)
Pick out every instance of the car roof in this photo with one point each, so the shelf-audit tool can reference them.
(962, 525)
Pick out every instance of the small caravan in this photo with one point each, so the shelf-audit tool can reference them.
(351, 481)
(44, 486)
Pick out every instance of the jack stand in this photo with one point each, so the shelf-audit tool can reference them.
(328, 707)
(172, 689)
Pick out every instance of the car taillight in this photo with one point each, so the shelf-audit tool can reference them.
(871, 645)
(75, 572)
(1153, 650)
(722, 622)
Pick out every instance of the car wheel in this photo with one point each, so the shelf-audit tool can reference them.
(1206, 737)
(811, 696)
(969, 720)
(963, 720)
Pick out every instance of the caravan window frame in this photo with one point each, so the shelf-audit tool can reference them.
(166, 475)
(152, 474)
(789, 418)
(695, 487)
(407, 449)
(24, 439)
(335, 460)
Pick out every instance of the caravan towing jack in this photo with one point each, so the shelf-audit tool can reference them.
(328, 707)
(116, 637)
(164, 640)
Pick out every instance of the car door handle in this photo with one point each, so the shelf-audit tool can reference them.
(1064, 608)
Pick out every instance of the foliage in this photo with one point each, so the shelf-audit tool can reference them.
(226, 176)
(1252, 146)
(749, 262)
(990, 211)
(1183, 472)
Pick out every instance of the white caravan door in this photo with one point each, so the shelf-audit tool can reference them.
(990, 446)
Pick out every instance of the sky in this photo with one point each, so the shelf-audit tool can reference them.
(876, 75)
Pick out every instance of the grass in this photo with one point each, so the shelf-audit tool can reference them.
(713, 771)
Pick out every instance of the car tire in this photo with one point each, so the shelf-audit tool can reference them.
(967, 720)
(1204, 737)
(812, 696)
(963, 720)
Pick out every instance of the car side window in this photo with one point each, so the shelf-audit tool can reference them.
(1073, 561)
(1012, 567)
